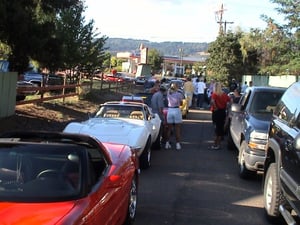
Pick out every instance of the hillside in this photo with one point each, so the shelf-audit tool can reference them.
(115, 45)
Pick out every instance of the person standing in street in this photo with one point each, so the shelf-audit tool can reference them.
(188, 88)
(195, 94)
(174, 115)
(219, 104)
(233, 85)
(244, 87)
(157, 106)
(201, 86)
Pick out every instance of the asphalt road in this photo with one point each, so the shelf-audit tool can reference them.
(197, 185)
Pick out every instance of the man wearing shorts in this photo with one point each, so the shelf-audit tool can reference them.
(174, 116)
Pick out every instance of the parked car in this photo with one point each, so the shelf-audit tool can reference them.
(21, 95)
(125, 76)
(140, 80)
(249, 124)
(4, 64)
(132, 98)
(129, 123)
(58, 178)
(35, 77)
(146, 96)
(113, 78)
(282, 170)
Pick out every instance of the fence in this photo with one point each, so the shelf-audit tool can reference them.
(275, 81)
(9, 91)
(8, 82)
(63, 91)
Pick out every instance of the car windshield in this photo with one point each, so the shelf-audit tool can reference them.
(39, 172)
(264, 102)
(121, 111)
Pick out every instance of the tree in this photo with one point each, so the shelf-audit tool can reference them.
(155, 59)
(285, 38)
(25, 26)
(81, 47)
(226, 61)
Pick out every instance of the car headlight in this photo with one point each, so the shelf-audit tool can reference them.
(258, 140)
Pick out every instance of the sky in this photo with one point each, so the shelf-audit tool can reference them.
(175, 20)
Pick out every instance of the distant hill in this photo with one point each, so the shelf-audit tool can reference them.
(116, 45)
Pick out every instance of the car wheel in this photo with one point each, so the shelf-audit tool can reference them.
(272, 195)
(243, 171)
(132, 203)
(145, 158)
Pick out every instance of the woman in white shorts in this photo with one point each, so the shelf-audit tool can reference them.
(174, 116)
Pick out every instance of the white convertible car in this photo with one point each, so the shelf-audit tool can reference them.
(129, 123)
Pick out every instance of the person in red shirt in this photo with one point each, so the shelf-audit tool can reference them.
(219, 103)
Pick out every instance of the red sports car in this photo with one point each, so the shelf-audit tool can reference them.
(113, 78)
(57, 178)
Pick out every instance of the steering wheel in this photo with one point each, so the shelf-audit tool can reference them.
(49, 173)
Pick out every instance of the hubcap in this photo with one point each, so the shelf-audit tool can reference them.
(132, 200)
(268, 195)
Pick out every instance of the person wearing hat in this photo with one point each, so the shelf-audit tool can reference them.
(158, 100)
(174, 115)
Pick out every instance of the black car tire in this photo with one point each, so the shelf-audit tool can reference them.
(243, 171)
(132, 203)
(156, 144)
(272, 195)
(145, 157)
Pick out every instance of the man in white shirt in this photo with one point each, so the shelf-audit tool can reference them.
(201, 86)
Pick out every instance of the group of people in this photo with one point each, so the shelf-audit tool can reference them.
(172, 98)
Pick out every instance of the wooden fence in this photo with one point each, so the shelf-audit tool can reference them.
(64, 91)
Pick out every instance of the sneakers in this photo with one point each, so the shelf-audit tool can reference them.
(167, 145)
(215, 147)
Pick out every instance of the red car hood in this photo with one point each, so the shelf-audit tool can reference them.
(33, 213)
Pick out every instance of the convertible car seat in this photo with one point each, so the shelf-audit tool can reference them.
(137, 115)
(112, 114)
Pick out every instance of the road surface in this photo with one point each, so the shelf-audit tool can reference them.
(197, 185)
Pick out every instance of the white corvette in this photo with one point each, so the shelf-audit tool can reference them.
(129, 123)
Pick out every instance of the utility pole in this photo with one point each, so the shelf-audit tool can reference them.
(219, 19)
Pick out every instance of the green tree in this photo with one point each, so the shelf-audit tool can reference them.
(155, 59)
(285, 38)
(81, 47)
(226, 61)
(26, 27)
